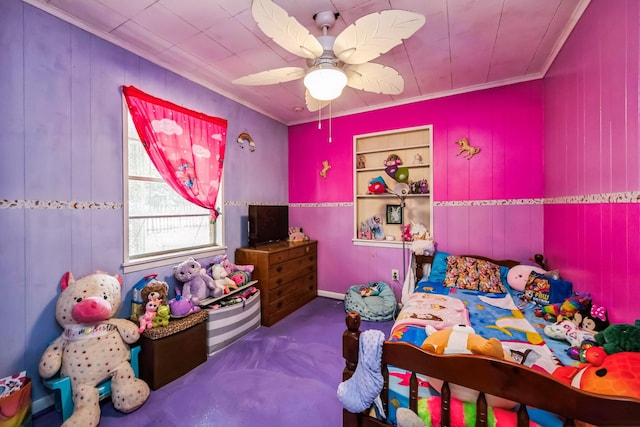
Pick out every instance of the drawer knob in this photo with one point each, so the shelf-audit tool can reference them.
(279, 305)
(279, 281)
(279, 269)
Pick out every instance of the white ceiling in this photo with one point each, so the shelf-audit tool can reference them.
(464, 45)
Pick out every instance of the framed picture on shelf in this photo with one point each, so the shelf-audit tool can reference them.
(394, 214)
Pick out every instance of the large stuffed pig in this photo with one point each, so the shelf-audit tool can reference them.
(93, 347)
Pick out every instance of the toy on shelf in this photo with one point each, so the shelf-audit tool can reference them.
(94, 347)
(181, 307)
(146, 320)
(377, 186)
(197, 284)
(229, 266)
(162, 316)
(296, 234)
(405, 231)
(221, 280)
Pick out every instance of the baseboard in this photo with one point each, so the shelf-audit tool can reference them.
(333, 295)
(42, 403)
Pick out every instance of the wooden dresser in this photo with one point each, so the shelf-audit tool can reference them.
(287, 275)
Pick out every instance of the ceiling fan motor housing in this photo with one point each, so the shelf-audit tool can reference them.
(325, 19)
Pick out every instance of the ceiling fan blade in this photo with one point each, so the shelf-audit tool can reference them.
(270, 77)
(314, 104)
(375, 34)
(375, 78)
(285, 30)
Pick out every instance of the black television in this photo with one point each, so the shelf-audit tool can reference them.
(268, 224)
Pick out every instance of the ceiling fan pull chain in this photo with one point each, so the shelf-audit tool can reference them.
(330, 122)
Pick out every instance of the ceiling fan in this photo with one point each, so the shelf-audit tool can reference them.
(333, 62)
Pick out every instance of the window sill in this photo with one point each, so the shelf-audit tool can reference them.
(170, 259)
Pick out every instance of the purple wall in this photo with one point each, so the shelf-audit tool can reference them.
(61, 116)
(592, 157)
(489, 205)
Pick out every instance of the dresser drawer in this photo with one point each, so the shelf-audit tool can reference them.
(287, 271)
(300, 284)
(293, 296)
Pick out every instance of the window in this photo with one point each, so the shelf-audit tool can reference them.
(159, 220)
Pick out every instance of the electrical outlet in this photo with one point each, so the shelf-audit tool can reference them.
(395, 275)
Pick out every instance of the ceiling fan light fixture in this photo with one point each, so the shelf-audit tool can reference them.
(325, 82)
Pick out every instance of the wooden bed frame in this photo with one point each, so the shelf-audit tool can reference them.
(490, 377)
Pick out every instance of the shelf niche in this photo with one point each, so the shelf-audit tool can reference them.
(370, 152)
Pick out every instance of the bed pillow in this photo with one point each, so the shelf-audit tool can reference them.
(544, 290)
(438, 267)
(473, 274)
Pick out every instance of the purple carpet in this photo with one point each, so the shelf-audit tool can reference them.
(283, 375)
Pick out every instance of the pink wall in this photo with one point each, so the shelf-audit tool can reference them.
(489, 205)
(592, 154)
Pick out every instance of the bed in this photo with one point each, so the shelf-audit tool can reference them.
(541, 398)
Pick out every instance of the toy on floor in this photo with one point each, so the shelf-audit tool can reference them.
(93, 347)
(619, 338)
(197, 285)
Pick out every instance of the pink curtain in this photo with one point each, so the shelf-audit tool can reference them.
(185, 146)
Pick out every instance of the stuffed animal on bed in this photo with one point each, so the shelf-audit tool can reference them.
(518, 275)
(565, 310)
(616, 374)
(93, 347)
(620, 337)
(462, 339)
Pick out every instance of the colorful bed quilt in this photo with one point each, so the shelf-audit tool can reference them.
(492, 315)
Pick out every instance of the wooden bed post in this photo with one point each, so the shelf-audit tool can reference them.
(351, 344)
(350, 350)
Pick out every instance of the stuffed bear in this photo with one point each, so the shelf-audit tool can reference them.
(196, 282)
(158, 289)
(93, 347)
(221, 280)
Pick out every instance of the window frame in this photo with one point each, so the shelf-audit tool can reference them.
(144, 262)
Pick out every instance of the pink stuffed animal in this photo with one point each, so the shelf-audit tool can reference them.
(228, 265)
(146, 321)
